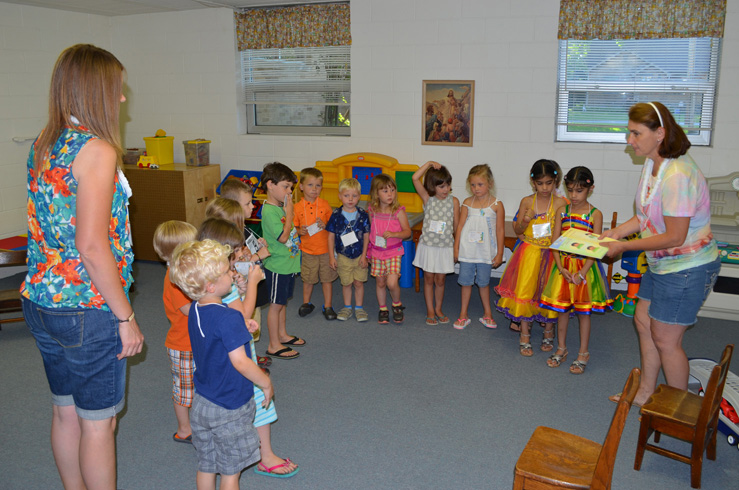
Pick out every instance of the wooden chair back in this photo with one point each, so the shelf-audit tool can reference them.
(10, 299)
(607, 458)
(711, 407)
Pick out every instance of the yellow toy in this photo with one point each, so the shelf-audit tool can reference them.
(148, 161)
(364, 166)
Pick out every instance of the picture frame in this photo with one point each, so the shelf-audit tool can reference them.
(448, 110)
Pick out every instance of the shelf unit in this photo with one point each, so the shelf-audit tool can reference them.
(174, 191)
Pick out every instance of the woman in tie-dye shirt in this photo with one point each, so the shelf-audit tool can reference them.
(673, 216)
(75, 296)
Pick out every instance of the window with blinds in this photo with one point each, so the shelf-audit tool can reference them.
(598, 81)
(297, 90)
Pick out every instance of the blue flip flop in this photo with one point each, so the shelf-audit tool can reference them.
(263, 470)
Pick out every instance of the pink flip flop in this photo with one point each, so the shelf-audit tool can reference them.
(489, 322)
(263, 470)
(462, 323)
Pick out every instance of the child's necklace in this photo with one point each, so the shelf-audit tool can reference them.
(536, 206)
(482, 209)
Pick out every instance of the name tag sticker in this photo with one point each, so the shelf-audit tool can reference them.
(252, 244)
(349, 239)
(542, 230)
(475, 236)
(437, 226)
(313, 229)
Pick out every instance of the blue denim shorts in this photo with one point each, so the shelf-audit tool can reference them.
(470, 273)
(675, 298)
(79, 348)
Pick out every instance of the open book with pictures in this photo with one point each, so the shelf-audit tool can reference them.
(581, 242)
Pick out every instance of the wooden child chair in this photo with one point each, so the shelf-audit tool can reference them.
(556, 459)
(685, 416)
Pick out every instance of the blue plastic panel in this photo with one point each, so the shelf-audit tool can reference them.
(365, 175)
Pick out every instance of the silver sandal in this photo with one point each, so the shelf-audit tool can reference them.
(578, 364)
(547, 344)
(522, 346)
(555, 360)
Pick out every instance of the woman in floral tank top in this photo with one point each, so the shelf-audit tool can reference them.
(75, 296)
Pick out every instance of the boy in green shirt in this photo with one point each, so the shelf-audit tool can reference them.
(284, 262)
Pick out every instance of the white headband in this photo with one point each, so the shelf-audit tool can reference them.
(658, 114)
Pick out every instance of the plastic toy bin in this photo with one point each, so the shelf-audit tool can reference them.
(161, 147)
(197, 152)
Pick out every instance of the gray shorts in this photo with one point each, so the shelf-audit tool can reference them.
(225, 440)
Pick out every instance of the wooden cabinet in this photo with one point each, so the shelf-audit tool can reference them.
(173, 191)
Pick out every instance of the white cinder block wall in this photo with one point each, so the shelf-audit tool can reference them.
(30, 41)
(182, 72)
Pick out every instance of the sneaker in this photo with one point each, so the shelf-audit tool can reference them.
(398, 313)
(329, 313)
(383, 317)
(305, 309)
(264, 361)
(361, 315)
(344, 314)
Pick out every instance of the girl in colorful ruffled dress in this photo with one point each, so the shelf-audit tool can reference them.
(576, 285)
(521, 284)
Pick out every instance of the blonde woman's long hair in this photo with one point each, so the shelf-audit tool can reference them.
(87, 83)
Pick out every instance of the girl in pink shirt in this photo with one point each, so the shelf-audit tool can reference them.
(389, 227)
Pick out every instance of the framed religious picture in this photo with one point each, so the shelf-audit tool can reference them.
(448, 107)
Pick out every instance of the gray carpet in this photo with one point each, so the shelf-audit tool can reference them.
(370, 406)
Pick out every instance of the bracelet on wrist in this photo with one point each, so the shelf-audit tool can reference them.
(133, 314)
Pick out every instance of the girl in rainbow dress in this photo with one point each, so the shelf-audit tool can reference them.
(520, 286)
(576, 284)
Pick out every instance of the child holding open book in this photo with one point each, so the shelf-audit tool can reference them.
(576, 284)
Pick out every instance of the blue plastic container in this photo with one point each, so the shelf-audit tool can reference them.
(407, 272)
